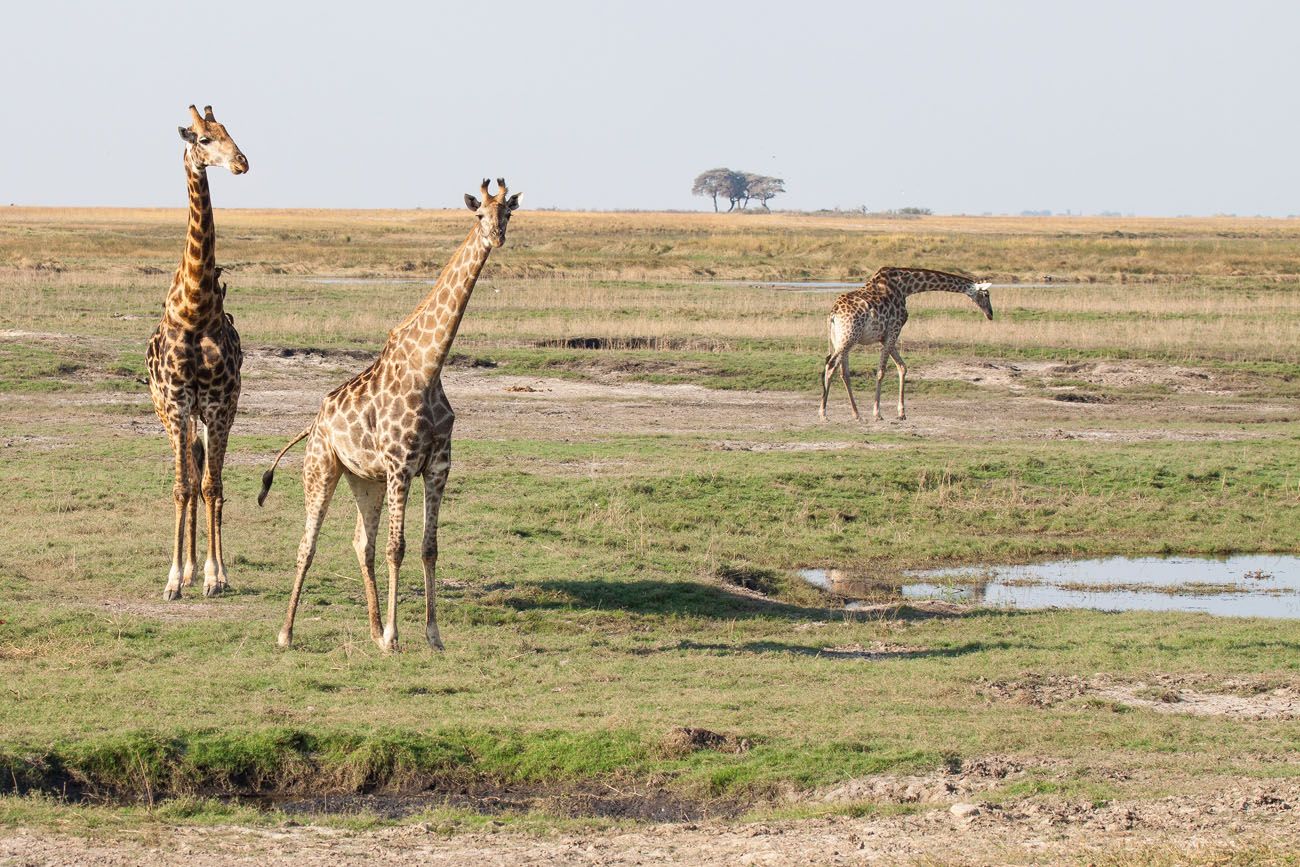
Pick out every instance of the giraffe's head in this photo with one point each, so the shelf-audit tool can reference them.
(210, 144)
(493, 212)
(979, 293)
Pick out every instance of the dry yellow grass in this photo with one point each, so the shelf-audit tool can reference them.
(1224, 288)
(667, 245)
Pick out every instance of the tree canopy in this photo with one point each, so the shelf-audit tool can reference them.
(736, 187)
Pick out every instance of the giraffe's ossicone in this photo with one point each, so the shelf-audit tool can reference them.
(391, 423)
(193, 359)
(876, 313)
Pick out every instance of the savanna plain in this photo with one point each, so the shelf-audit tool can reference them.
(634, 671)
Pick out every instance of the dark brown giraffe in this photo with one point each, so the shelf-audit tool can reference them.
(391, 423)
(877, 313)
(193, 358)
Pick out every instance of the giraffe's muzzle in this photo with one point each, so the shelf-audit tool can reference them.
(239, 165)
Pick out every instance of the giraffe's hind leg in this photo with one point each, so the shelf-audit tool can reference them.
(370, 501)
(828, 372)
(902, 379)
(320, 475)
(435, 483)
(844, 375)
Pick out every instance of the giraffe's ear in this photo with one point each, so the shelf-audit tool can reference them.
(187, 134)
(472, 203)
(513, 202)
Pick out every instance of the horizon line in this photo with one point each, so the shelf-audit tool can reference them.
(894, 214)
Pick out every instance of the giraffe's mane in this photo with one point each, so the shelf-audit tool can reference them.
(880, 271)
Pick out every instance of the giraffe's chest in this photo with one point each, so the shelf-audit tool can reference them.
(204, 365)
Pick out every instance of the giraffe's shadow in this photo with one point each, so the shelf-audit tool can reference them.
(697, 599)
(689, 598)
(844, 653)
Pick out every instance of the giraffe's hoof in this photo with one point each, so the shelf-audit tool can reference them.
(171, 594)
(285, 638)
(187, 579)
(902, 416)
(216, 589)
(435, 640)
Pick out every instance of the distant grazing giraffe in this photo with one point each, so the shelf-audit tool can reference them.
(193, 358)
(392, 422)
(877, 313)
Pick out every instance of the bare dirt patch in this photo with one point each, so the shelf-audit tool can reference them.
(189, 608)
(875, 650)
(1118, 375)
(1193, 695)
(962, 779)
(833, 446)
(1252, 823)
(639, 803)
(283, 388)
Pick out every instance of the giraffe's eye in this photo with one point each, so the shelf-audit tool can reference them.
(205, 141)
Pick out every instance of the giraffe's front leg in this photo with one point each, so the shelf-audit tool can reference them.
(435, 482)
(192, 519)
(216, 432)
(182, 492)
(399, 483)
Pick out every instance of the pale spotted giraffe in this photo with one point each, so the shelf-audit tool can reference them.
(392, 422)
(193, 359)
(877, 313)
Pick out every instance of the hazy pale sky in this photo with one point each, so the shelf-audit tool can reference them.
(1144, 107)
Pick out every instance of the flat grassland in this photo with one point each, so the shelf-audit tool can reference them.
(638, 473)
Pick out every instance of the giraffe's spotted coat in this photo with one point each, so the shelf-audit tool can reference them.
(391, 423)
(876, 313)
(193, 359)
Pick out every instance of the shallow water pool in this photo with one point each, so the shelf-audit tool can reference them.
(1248, 585)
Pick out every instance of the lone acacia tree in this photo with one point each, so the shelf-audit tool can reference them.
(763, 188)
(718, 182)
(736, 187)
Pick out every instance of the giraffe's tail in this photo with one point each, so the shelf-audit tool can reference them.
(269, 475)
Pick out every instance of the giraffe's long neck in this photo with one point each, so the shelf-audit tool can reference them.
(427, 334)
(194, 296)
(911, 282)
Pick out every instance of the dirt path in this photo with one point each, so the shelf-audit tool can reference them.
(1211, 820)
(1256, 823)
(1028, 400)
(281, 394)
